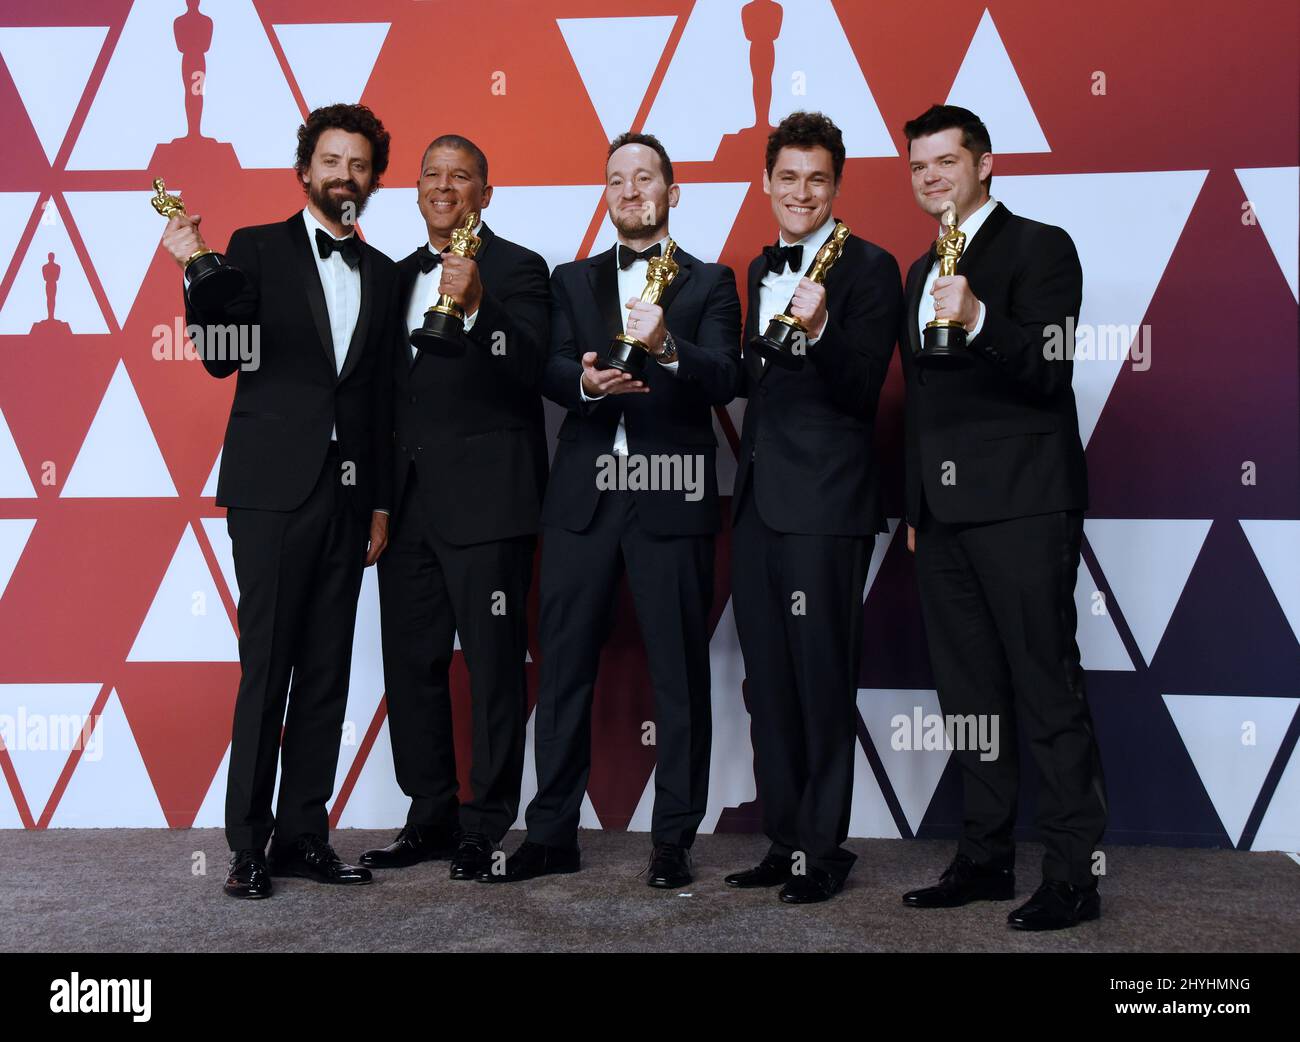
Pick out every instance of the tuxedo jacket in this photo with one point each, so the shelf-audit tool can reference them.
(285, 409)
(702, 312)
(806, 444)
(998, 436)
(473, 426)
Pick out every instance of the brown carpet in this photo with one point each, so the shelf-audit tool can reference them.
(137, 890)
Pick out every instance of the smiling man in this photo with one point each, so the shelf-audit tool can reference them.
(662, 538)
(806, 512)
(306, 474)
(471, 470)
(996, 488)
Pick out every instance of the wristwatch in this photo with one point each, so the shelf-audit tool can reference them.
(669, 354)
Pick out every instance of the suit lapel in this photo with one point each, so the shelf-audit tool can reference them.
(993, 224)
(358, 342)
(753, 361)
(602, 274)
(300, 244)
(914, 286)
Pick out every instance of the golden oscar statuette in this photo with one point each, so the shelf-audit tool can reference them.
(626, 353)
(443, 330)
(945, 338)
(210, 281)
(785, 341)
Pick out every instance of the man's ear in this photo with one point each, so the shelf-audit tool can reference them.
(767, 183)
(674, 193)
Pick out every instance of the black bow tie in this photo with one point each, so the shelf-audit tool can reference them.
(780, 256)
(347, 248)
(628, 256)
(428, 259)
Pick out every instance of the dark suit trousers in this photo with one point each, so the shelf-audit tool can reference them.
(798, 604)
(671, 579)
(299, 574)
(430, 590)
(998, 603)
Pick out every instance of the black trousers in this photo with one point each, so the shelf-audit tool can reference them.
(798, 606)
(299, 574)
(671, 579)
(998, 603)
(430, 590)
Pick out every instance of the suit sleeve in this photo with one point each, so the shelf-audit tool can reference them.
(242, 253)
(1046, 292)
(513, 328)
(853, 353)
(710, 364)
(563, 370)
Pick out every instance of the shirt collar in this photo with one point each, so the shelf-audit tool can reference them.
(313, 224)
(662, 244)
(974, 222)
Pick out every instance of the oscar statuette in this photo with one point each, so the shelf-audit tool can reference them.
(626, 353)
(443, 330)
(210, 281)
(945, 338)
(785, 341)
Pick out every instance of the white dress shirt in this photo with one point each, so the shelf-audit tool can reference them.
(972, 224)
(776, 288)
(631, 281)
(424, 294)
(342, 286)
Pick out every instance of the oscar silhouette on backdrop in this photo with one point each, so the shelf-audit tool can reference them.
(193, 152)
(50, 273)
(761, 22)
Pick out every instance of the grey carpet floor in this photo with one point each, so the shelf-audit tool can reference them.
(138, 890)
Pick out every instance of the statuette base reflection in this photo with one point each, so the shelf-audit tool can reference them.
(442, 333)
(784, 343)
(943, 343)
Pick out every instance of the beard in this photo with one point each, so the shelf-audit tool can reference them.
(345, 211)
(633, 227)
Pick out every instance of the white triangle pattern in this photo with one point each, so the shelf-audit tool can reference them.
(1274, 194)
(1100, 645)
(119, 458)
(1213, 728)
(110, 787)
(187, 621)
(988, 85)
(616, 58)
(50, 67)
(1147, 563)
(914, 772)
(1277, 548)
(353, 49)
(14, 533)
(15, 482)
(40, 725)
(121, 232)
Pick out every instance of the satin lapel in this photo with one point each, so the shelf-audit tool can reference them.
(360, 331)
(914, 299)
(602, 274)
(675, 287)
(993, 224)
(751, 358)
(300, 244)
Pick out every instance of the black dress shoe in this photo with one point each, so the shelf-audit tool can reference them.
(816, 885)
(963, 882)
(670, 867)
(532, 860)
(414, 844)
(1057, 905)
(312, 858)
(248, 876)
(472, 857)
(771, 871)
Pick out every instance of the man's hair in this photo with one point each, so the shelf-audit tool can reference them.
(807, 130)
(356, 119)
(974, 134)
(651, 142)
(465, 145)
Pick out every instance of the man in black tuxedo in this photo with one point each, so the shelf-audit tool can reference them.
(806, 511)
(996, 487)
(471, 470)
(594, 528)
(306, 476)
